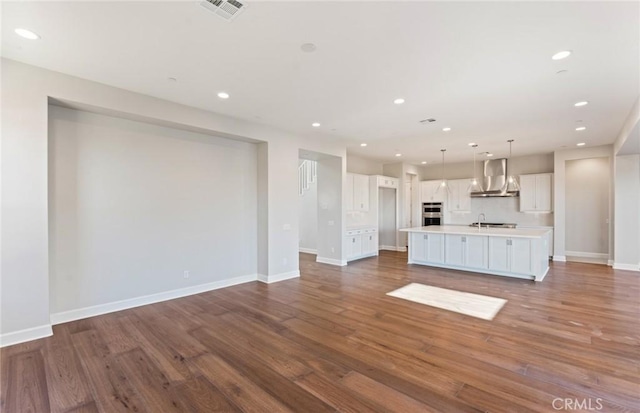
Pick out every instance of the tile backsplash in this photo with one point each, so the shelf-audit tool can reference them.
(499, 210)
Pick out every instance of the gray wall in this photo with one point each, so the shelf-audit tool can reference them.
(133, 205)
(308, 217)
(587, 186)
(363, 166)
(627, 212)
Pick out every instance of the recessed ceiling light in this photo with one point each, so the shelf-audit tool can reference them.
(580, 144)
(223, 95)
(583, 103)
(446, 129)
(399, 101)
(581, 128)
(489, 154)
(363, 144)
(315, 124)
(471, 144)
(27, 34)
(308, 47)
(398, 154)
(424, 162)
(561, 55)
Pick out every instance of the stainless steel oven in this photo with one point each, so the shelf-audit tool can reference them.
(431, 213)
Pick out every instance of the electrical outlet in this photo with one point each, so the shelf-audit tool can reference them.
(186, 274)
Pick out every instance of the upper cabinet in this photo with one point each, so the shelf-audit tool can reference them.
(428, 192)
(535, 193)
(458, 199)
(357, 192)
(387, 182)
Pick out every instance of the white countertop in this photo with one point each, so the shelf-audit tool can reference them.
(492, 232)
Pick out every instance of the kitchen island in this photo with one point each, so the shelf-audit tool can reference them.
(520, 253)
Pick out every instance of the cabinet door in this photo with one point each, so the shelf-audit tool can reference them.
(464, 199)
(521, 256)
(527, 193)
(428, 192)
(360, 192)
(369, 244)
(349, 194)
(499, 253)
(453, 197)
(435, 248)
(476, 251)
(418, 247)
(543, 192)
(454, 249)
(354, 246)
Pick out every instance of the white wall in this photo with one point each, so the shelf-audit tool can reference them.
(26, 90)
(387, 218)
(587, 187)
(308, 219)
(331, 210)
(533, 164)
(627, 212)
(133, 205)
(559, 194)
(363, 166)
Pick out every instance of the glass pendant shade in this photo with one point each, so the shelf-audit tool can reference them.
(511, 184)
(444, 185)
(474, 185)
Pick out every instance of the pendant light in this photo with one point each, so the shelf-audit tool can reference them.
(444, 185)
(474, 185)
(511, 184)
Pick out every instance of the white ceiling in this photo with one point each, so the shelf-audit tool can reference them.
(483, 69)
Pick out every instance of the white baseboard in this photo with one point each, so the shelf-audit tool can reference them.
(560, 258)
(28, 334)
(610, 263)
(581, 254)
(331, 261)
(308, 250)
(268, 279)
(628, 267)
(391, 248)
(66, 316)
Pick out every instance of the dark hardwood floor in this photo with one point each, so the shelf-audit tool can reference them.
(332, 341)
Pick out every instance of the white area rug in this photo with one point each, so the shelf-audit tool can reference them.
(480, 306)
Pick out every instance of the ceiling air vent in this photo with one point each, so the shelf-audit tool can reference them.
(427, 120)
(227, 9)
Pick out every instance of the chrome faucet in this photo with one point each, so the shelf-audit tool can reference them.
(484, 218)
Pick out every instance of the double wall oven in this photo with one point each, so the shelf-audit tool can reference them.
(431, 213)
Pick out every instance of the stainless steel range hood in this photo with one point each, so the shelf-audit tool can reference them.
(494, 180)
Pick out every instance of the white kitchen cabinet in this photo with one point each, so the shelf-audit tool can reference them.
(427, 247)
(458, 199)
(369, 244)
(466, 250)
(387, 182)
(476, 251)
(361, 243)
(510, 255)
(357, 192)
(535, 193)
(428, 192)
